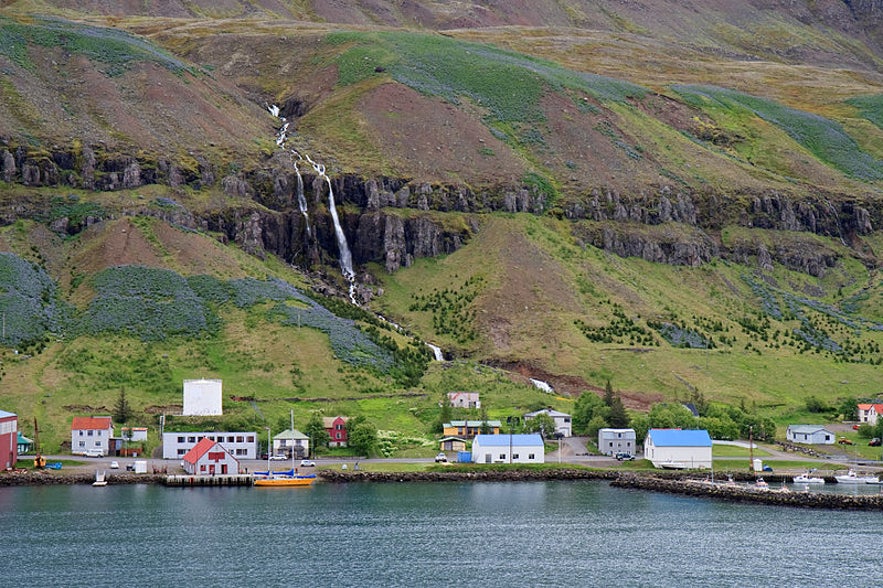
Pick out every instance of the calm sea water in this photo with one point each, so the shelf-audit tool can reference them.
(443, 534)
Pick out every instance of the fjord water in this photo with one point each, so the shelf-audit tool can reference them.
(442, 534)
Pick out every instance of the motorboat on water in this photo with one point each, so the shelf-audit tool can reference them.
(853, 478)
(100, 479)
(808, 479)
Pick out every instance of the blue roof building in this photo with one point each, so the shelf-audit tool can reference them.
(508, 449)
(678, 448)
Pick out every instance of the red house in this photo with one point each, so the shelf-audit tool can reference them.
(336, 429)
(8, 439)
(208, 458)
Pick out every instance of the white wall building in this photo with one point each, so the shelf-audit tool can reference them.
(464, 399)
(242, 445)
(562, 420)
(868, 413)
(209, 458)
(677, 448)
(508, 449)
(134, 433)
(613, 441)
(91, 435)
(202, 398)
(291, 442)
(810, 435)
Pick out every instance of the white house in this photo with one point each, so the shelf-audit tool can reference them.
(508, 449)
(677, 448)
(613, 441)
(291, 442)
(242, 445)
(464, 399)
(562, 420)
(868, 413)
(134, 433)
(810, 434)
(202, 398)
(209, 458)
(91, 435)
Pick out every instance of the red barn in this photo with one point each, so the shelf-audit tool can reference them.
(336, 428)
(208, 458)
(8, 439)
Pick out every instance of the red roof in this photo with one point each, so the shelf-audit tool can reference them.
(878, 408)
(91, 423)
(204, 446)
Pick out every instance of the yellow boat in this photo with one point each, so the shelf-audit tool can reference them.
(282, 481)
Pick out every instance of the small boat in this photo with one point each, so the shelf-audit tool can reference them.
(673, 465)
(854, 478)
(100, 479)
(274, 481)
(807, 479)
(761, 484)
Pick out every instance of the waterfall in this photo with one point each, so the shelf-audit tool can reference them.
(436, 351)
(545, 387)
(346, 258)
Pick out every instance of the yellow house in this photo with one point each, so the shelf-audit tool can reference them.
(469, 429)
(452, 444)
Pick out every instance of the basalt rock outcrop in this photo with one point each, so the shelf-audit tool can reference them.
(393, 221)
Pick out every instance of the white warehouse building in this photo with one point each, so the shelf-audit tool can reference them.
(241, 445)
(202, 398)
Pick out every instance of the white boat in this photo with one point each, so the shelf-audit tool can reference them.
(673, 465)
(807, 479)
(854, 478)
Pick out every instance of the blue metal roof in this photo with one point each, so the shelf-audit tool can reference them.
(506, 440)
(680, 438)
(4, 414)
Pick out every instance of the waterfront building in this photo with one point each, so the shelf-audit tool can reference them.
(208, 458)
(613, 441)
(678, 448)
(562, 420)
(8, 439)
(291, 442)
(91, 436)
(241, 444)
(336, 429)
(508, 449)
(810, 435)
(452, 444)
(469, 429)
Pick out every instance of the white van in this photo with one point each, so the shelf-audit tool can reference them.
(93, 453)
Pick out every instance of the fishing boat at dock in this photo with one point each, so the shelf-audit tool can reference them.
(853, 478)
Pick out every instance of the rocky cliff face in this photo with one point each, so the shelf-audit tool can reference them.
(393, 221)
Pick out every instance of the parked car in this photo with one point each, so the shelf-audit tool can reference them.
(767, 468)
(875, 442)
(306, 463)
(114, 465)
(624, 456)
(441, 458)
(277, 457)
(844, 441)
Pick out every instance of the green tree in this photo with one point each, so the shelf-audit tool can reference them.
(587, 406)
(361, 436)
(542, 424)
(319, 437)
(444, 414)
(485, 427)
(618, 417)
(122, 411)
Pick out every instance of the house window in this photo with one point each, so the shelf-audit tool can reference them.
(82, 443)
(531, 456)
(230, 439)
(239, 439)
(81, 433)
(240, 452)
(89, 433)
(502, 456)
(191, 439)
(514, 456)
(98, 443)
(611, 444)
(180, 439)
(181, 452)
(251, 438)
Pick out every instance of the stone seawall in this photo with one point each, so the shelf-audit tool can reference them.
(49, 478)
(741, 493)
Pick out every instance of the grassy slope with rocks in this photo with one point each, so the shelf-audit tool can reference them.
(573, 101)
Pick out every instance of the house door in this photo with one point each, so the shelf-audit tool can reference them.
(487, 458)
(223, 469)
(211, 470)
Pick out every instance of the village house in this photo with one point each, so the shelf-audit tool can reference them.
(90, 436)
(336, 429)
(242, 445)
(8, 439)
(868, 413)
(209, 458)
(134, 433)
(562, 420)
(508, 449)
(678, 449)
(469, 429)
(810, 435)
(452, 444)
(464, 399)
(291, 443)
(613, 441)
